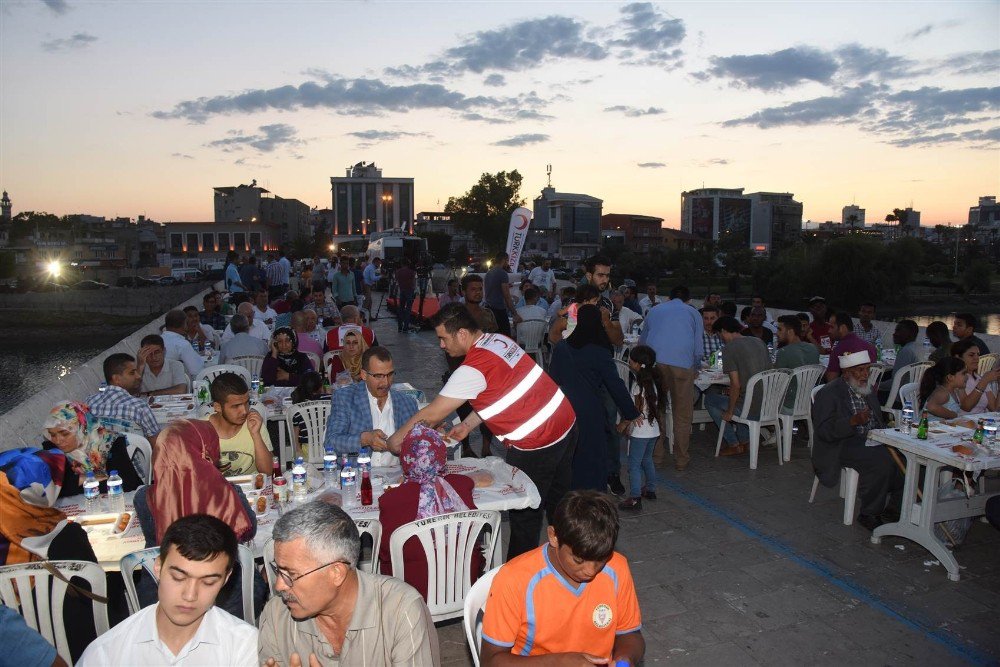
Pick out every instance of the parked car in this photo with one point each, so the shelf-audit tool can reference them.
(89, 285)
(187, 275)
(134, 281)
(168, 280)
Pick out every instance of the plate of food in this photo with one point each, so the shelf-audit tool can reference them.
(108, 523)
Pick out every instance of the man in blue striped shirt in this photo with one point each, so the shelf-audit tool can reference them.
(117, 405)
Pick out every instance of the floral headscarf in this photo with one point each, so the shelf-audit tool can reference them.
(93, 437)
(422, 455)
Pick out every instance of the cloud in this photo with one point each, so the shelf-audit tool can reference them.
(368, 95)
(652, 165)
(531, 114)
(57, 6)
(773, 71)
(862, 62)
(79, 40)
(834, 108)
(649, 37)
(184, 156)
(371, 137)
(973, 62)
(930, 27)
(270, 138)
(715, 161)
(986, 138)
(478, 117)
(633, 112)
(495, 80)
(522, 140)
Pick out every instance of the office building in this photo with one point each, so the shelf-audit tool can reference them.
(775, 221)
(714, 213)
(640, 232)
(852, 216)
(986, 214)
(365, 201)
(255, 205)
(565, 225)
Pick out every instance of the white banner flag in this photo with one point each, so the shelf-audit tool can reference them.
(517, 235)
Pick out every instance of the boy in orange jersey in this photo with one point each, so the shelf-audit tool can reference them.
(570, 601)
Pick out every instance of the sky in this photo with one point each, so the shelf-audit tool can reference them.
(127, 109)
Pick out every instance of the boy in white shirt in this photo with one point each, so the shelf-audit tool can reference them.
(184, 627)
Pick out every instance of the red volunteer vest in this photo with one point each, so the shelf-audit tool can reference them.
(521, 404)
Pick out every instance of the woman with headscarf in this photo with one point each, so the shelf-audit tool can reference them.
(89, 447)
(285, 365)
(583, 366)
(425, 492)
(349, 358)
(187, 480)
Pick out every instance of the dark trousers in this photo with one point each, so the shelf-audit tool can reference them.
(611, 434)
(404, 312)
(551, 470)
(879, 476)
(503, 321)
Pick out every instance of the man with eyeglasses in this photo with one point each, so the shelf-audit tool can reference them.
(326, 611)
(368, 412)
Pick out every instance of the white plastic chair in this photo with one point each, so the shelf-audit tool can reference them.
(909, 373)
(805, 378)
(35, 593)
(211, 372)
(140, 453)
(251, 363)
(771, 385)
(848, 480)
(475, 604)
(448, 541)
(315, 361)
(314, 415)
(988, 362)
(530, 334)
(875, 373)
(910, 392)
(327, 357)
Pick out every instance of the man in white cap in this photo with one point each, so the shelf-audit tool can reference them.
(844, 411)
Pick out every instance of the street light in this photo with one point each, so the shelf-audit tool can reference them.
(252, 220)
(386, 200)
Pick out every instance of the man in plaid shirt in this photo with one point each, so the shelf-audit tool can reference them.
(117, 406)
(710, 342)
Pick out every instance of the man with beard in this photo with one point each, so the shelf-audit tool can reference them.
(118, 405)
(244, 442)
(326, 611)
(844, 412)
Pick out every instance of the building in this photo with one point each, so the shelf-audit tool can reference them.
(714, 213)
(775, 221)
(200, 244)
(986, 214)
(641, 232)
(566, 225)
(364, 202)
(440, 222)
(852, 216)
(5, 208)
(679, 240)
(253, 204)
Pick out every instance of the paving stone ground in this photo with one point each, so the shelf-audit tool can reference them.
(734, 567)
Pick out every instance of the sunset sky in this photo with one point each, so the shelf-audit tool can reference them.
(122, 108)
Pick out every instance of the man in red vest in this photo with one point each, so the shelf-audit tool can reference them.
(522, 406)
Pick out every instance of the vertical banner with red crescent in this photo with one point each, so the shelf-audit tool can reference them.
(517, 235)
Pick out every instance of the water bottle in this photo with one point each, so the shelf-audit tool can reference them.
(990, 434)
(347, 484)
(103, 387)
(208, 350)
(878, 349)
(770, 352)
(255, 384)
(906, 417)
(331, 475)
(299, 479)
(718, 360)
(365, 459)
(116, 493)
(91, 492)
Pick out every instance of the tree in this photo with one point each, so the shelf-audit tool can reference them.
(852, 220)
(976, 278)
(903, 217)
(485, 209)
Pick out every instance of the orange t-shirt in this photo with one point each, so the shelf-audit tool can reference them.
(533, 610)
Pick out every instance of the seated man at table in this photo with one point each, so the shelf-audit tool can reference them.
(572, 597)
(257, 329)
(352, 322)
(964, 327)
(211, 314)
(326, 311)
(710, 341)
(909, 352)
(194, 330)
(327, 612)
(119, 406)
(844, 411)
(176, 345)
(845, 341)
(368, 412)
(242, 344)
(531, 309)
(263, 311)
(307, 343)
(196, 559)
(755, 325)
(744, 357)
(159, 375)
(793, 352)
(244, 442)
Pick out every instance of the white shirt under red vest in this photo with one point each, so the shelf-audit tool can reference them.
(518, 401)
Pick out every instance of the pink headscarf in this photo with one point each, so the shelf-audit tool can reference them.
(422, 455)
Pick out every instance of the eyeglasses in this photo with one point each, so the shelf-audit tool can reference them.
(381, 376)
(290, 580)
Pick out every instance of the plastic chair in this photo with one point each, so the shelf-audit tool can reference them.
(848, 491)
(530, 334)
(988, 362)
(211, 372)
(315, 361)
(909, 373)
(875, 373)
(140, 452)
(251, 363)
(771, 385)
(805, 378)
(314, 415)
(34, 592)
(328, 357)
(475, 604)
(910, 392)
(448, 541)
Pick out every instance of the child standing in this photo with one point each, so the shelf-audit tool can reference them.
(644, 431)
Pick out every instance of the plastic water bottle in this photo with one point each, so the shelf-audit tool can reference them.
(348, 484)
(299, 479)
(718, 360)
(928, 348)
(91, 492)
(365, 459)
(103, 387)
(116, 493)
(878, 348)
(990, 434)
(906, 417)
(331, 475)
(208, 350)
(770, 352)
(255, 384)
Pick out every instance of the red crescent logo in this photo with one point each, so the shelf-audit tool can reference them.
(523, 217)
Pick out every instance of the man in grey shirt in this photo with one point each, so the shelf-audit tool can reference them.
(743, 357)
(496, 284)
(328, 611)
(909, 352)
(242, 344)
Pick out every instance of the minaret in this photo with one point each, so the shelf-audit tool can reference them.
(5, 208)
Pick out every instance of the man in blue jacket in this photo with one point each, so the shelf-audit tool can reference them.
(366, 414)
